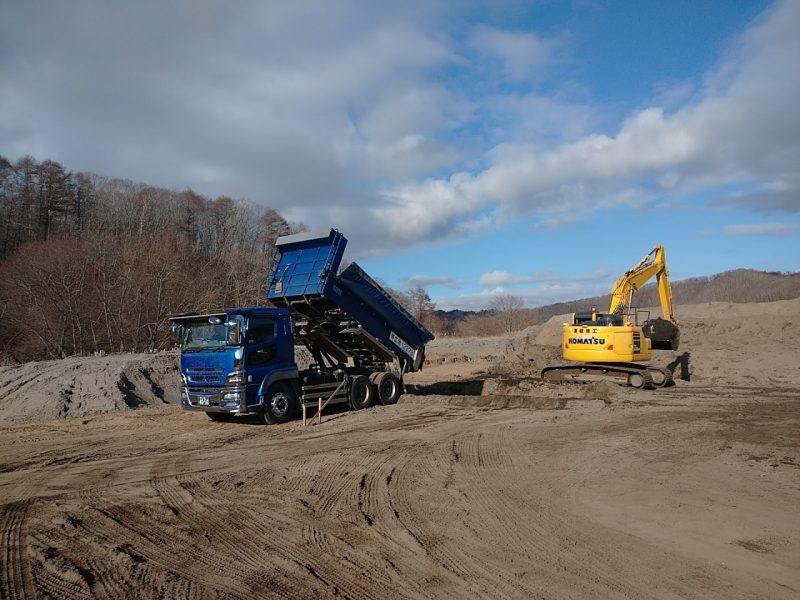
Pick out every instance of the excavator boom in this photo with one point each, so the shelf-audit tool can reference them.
(654, 264)
(663, 332)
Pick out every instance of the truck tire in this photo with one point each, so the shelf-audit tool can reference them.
(361, 392)
(280, 404)
(388, 387)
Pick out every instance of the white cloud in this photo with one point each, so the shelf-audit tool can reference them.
(532, 297)
(429, 280)
(780, 195)
(744, 127)
(475, 302)
(520, 53)
(761, 229)
(548, 276)
(283, 104)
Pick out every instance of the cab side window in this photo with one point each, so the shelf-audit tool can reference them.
(260, 330)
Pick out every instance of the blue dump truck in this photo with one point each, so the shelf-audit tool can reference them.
(241, 361)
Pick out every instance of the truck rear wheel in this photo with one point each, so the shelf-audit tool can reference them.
(388, 387)
(361, 392)
(280, 404)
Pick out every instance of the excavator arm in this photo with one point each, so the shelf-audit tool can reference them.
(654, 264)
(663, 332)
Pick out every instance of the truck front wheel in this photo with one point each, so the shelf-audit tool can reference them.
(361, 392)
(280, 404)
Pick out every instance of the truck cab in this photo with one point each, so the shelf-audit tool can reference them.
(231, 357)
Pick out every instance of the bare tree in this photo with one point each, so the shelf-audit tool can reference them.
(508, 309)
(422, 306)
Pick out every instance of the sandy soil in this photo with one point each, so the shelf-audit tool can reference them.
(483, 482)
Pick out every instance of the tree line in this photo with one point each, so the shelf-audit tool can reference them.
(94, 264)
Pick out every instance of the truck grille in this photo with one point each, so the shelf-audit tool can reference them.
(201, 375)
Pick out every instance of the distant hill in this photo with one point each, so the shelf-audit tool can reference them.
(740, 285)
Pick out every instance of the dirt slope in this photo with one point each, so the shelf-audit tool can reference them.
(79, 386)
(484, 483)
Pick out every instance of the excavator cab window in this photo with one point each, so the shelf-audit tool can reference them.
(585, 318)
(610, 320)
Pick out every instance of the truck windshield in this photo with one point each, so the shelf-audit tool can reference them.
(202, 334)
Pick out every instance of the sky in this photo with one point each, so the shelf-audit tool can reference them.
(476, 148)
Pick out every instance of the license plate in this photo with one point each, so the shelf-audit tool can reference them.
(203, 400)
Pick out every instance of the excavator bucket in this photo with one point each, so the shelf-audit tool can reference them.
(663, 334)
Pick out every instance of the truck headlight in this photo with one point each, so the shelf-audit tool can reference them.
(235, 378)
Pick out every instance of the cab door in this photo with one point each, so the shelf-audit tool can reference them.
(260, 353)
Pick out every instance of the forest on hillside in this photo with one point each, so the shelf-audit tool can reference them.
(94, 264)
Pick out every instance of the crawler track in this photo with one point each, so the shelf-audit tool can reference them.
(633, 375)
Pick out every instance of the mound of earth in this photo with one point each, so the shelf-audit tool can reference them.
(81, 386)
(721, 344)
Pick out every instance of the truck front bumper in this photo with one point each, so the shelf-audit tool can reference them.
(229, 400)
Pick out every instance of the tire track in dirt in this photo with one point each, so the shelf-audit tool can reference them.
(475, 463)
(401, 544)
(139, 537)
(338, 518)
(528, 536)
(316, 551)
(544, 538)
(159, 548)
(250, 533)
(415, 470)
(341, 514)
(448, 569)
(274, 538)
(58, 577)
(166, 479)
(476, 504)
(571, 547)
(486, 473)
(466, 556)
(96, 552)
(17, 580)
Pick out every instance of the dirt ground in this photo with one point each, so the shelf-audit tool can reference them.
(481, 482)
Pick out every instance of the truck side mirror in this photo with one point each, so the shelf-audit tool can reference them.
(234, 331)
(175, 330)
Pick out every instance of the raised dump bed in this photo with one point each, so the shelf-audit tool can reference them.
(347, 315)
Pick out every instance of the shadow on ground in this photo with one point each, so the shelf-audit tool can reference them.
(469, 387)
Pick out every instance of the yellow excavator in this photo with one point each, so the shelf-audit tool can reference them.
(609, 345)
